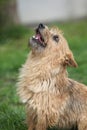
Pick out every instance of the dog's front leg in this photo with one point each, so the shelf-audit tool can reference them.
(41, 122)
(31, 126)
(31, 120)
(36, 122)
(40, 126)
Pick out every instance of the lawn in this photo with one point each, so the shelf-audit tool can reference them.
(13, 52)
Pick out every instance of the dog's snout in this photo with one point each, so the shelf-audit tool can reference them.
(41, 26)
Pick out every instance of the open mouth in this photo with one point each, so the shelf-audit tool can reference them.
(38, 38)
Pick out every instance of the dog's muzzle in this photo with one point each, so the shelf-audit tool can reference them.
(40, 26)
(38, 38)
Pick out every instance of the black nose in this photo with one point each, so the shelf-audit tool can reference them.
(41, 26)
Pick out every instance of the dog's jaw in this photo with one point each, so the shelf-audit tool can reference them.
(38, 40)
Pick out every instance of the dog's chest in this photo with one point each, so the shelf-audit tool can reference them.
(46, 100)
(47, 105)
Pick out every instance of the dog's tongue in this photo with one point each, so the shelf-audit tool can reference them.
(38, 37)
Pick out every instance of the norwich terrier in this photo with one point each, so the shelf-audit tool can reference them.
(51, 98)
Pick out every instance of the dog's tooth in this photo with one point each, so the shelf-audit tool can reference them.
(33, 36)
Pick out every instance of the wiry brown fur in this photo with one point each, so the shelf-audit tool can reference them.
(52, 99)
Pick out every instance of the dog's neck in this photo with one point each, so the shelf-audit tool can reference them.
(44, 75)
(37, 77)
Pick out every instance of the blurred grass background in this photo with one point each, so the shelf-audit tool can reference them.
(13, 52)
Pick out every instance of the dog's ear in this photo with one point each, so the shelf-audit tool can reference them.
(69, 60)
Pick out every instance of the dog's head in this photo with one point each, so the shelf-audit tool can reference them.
(51, 43)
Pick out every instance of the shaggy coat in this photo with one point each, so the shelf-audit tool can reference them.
(52, 99)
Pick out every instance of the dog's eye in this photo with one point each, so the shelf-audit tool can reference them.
(56, 38)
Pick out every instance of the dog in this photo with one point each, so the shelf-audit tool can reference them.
(52, 99)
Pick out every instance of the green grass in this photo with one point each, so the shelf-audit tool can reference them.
(13, 52)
